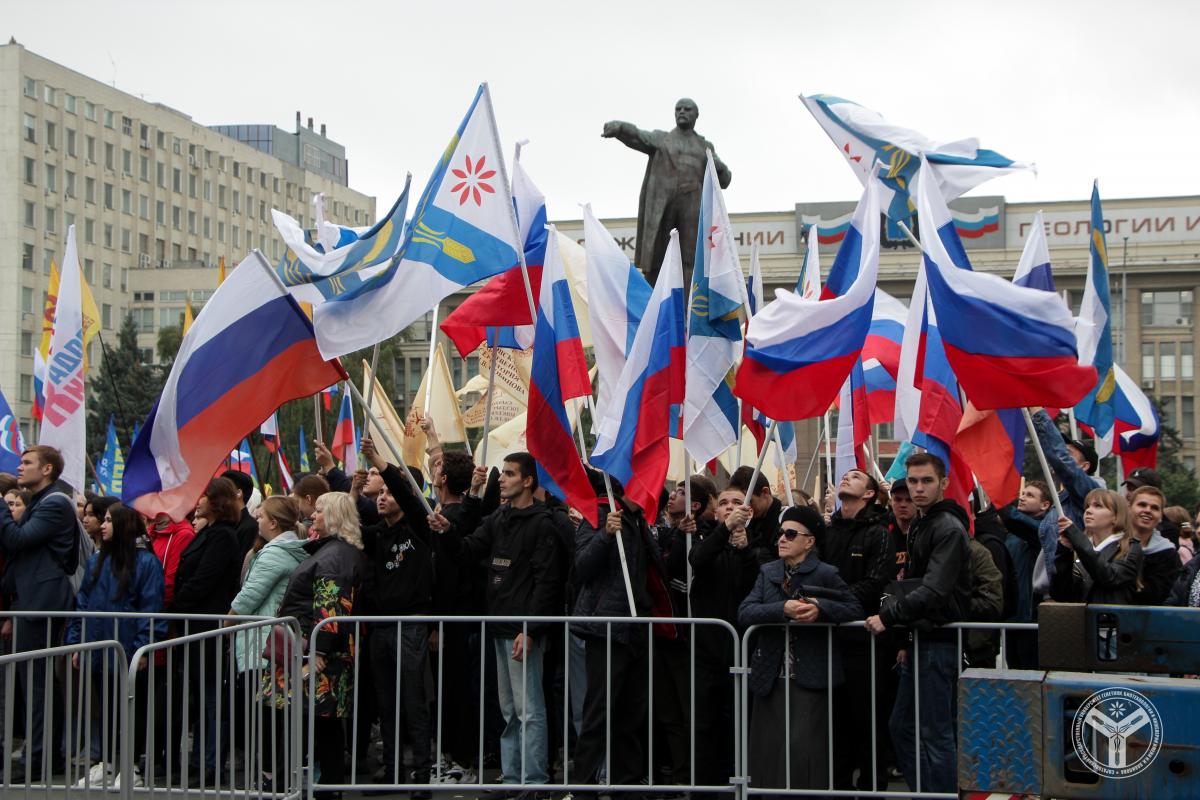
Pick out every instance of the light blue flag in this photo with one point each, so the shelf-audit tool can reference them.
(1093, 332)
(304, 466)
(111, 467)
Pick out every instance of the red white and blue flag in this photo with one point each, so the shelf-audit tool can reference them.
(617, 298)
(799, 352)
(269, 431)
(11, 443)
(499, 311)
(559, 373)
(1009, 345)
(250, 350)
(632, 433)
(1034, 270)
(754, 420)
(241, 459)
(881, 357)
(1137, 424)
(345, 440)
(853, 427)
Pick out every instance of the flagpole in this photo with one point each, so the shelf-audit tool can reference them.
(374, 374)
(257, 470)
(487, 413)
(813, 460)
(96, 475)
(1037, 445)
(612, 506)
(432, 353)
(512, 209)
(758, 465)
(828, 452)
(387, 439)
(318, 435)
(787, 482)
(579, 406)
(871, 458)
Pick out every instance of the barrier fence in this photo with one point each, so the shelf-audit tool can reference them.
(239, 706)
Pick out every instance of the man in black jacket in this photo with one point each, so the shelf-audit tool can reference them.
(520, 545)
(1160, 559)
(40, 551)
(937, 591)
(247, 526)
(858, 544)
(763, 527)
(399, 582)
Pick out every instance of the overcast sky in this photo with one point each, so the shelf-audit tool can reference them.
(1084, 89)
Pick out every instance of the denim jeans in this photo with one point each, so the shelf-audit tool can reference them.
(524, 742)
(937, 673)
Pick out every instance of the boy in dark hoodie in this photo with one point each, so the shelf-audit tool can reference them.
(937, 591)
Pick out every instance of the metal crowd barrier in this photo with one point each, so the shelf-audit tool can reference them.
(570, 627)
(876, 741)
(267, 713)
(135, 719)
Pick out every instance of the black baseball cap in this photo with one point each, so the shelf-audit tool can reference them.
(1089, 453)
(1143, 476)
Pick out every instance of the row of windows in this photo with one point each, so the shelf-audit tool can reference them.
(197, 155)
(1173, 361)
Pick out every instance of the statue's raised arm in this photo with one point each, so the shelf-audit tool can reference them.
(670, 196)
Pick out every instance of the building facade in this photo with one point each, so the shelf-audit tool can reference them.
(157, 199)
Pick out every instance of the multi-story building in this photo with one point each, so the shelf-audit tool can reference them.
(1154, 263)
(157, 200)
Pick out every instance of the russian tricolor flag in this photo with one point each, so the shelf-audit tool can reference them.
(559, 373)
(499, 311)
(1033, 270)
(250, 350)
(799, 352)
(1137, 423)
(632, 433)
(345, 442)
(881, 357)
(1010, 345)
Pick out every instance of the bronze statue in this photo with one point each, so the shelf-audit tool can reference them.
(671, 189)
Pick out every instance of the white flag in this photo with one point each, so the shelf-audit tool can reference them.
(64, 423)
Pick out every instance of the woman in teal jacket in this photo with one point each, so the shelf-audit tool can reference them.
(267, 576)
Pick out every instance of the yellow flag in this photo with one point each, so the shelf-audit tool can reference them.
(221, 270)
(91, 315)
(443, 402)
(91, 318)
(187, 317)
(385, 412)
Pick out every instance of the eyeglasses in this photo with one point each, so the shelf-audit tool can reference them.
(790, 534)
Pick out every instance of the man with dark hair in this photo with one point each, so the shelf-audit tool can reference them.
(41, 553)
(1022, 520)
(936, 592)
(519, 543)
(1074, 464)
(765, 508)
(1145, 476)
(247, 526)
(1160, 559)
(900, 519)
(857, 543)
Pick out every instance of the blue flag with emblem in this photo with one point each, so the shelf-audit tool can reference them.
(1093, 333)
(314, 274)
(714, 341)
(11, 443)
(111, 467)
(462, 231)
(864, 137)
(304, 465)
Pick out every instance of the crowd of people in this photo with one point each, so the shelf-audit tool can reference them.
(900, 560)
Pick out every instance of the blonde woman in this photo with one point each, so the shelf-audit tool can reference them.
(1101, 566)
(322, 587)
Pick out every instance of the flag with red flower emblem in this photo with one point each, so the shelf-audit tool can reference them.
(462, 231)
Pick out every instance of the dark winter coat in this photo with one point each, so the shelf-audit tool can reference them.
(861, 550)
(1181, 592)
(1160, 568)
(1098, 576)
(520, 548)
(938, 559)
(400, 574)
(807, 644)
(36, 550)
(601, 582)
(206, 580)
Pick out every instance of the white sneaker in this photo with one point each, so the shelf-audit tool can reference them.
(137, 782)
(95, 776)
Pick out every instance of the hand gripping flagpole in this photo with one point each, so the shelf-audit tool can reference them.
(758, 464)
(1037, 445)
(401, 466)
(612, 506)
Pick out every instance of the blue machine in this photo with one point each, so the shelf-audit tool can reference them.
(1083, 726)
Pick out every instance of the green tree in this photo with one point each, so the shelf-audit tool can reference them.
(123, 386)
(167, 346)
(1179, 482)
